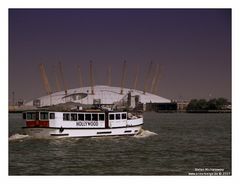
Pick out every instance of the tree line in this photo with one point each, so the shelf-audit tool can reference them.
(212, 104)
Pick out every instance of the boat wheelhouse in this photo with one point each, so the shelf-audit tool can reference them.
(44, 124)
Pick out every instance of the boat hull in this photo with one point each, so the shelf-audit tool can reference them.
(80, 132)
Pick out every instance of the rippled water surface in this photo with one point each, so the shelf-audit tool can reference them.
(172, 144)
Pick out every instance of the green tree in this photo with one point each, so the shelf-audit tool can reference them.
(192, 104)
(202, 104)
(221, 103)
(212, 104)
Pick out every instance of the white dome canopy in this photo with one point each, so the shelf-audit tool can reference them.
(105, 94)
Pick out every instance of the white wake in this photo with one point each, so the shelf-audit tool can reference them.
(17, 137)
(145, 133)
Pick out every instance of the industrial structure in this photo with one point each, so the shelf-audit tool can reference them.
(89, 95)
(107, 95)
(104, 95)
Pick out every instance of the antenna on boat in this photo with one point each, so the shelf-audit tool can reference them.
(45, 79)
(91, 77)
(136, 78)
(109, 82)
(147, 77)
(62, 77)
(123, 76)
(80, 76)
(154, 78)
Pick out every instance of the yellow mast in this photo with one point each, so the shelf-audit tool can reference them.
(109, 82)
(45, 79)
(157, 81)
(91, 77)
(80, 76)
(58, 85)
(136, 78)
(62, 77)
(147, 77)
(154, 78)
(123, 76)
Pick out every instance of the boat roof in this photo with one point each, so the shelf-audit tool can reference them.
(78, 111)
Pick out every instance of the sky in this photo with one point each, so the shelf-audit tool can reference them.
(193, 47)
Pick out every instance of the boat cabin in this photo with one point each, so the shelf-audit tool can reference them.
(82, 119)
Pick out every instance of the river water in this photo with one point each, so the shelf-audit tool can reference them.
(171, 144)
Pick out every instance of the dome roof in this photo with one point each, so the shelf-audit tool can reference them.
(102, 94)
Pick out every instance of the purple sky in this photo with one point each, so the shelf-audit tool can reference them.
(193, 46)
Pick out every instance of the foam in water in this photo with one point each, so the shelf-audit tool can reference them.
(142, 134)
(17, 136)
(145, 133)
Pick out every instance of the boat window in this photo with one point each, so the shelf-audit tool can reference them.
(31, 115)
(24, 115)
(101, 117)
(81, 117)
(124, 116)
(66, 117)
(95, 117)
(52, 115)
(111, 117)
(43, 115)
(117, 116)
(88, 117)
(74, 117)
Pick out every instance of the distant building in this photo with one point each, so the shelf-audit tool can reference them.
(20, 102)
(105, 95)
(182, 105)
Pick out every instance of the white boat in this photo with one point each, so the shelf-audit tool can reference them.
(46, 124)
